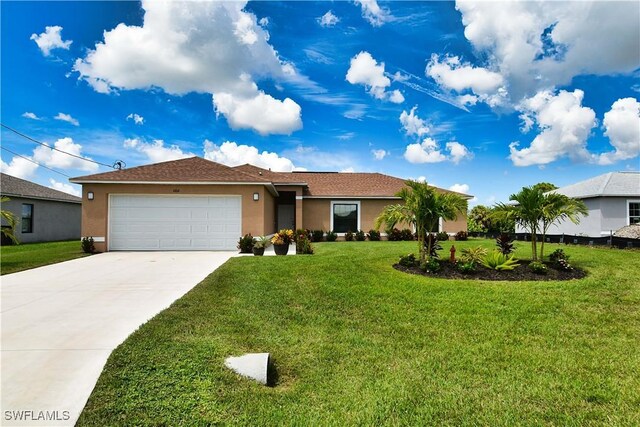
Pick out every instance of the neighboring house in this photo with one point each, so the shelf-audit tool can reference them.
(196, 204)
(613, 200)
(43, 214)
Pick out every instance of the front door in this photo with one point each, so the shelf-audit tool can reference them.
(286, 217)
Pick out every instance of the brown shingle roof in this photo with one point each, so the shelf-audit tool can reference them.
(192, 169)
(16, 187)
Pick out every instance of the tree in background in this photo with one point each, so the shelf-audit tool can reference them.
(10, 220)
(481, 219)
(545, 187)
(423, 207)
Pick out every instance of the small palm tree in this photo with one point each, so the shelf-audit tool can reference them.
(557, 208)
(11, 221)
(423, 207)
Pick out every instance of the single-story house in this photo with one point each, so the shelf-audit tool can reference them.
(43, 214)
(613, 200)
(197, 204)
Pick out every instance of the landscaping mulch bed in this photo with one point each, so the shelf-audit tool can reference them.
(522, 272)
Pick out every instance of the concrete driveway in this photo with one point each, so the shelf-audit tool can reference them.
(61, 322)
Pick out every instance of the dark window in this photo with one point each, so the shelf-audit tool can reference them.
(27, 218)
(345, 217)
(634, 213)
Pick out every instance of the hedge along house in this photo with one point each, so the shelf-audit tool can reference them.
(197, 204)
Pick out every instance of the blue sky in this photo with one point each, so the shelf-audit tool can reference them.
(482, 98)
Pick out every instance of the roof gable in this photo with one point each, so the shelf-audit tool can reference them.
(12, 186)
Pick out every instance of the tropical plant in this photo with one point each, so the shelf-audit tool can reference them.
(559, 208)
(261, 242)
(505, 244)
(303, 245)
(408, 260)
(394, 235)
(11, 221)
(423, 207)
(406, 235)
(538, 267)
(317, 235)
(479, 219)
(545, 186)
(245, 244)
(87, 244)
(557, 255)
(430, 265)
(475, 255)
(331, 236)
(442, 236)
(461, 236)
(497, 261)
(432, 245)
(283, 237)
(348, 236)
(467, 267)
(373, 235)
(360, 236)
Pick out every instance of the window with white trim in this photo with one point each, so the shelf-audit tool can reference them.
(345, 216)
(634, 212)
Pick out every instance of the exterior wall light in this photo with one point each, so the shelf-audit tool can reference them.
(90, 195)
(256, 197)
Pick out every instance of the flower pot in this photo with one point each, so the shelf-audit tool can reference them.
(258, 251)
(281, 249)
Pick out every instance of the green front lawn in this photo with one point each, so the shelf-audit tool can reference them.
(31, 255)
(358, 343)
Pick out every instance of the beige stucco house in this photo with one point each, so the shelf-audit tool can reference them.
(197, 204)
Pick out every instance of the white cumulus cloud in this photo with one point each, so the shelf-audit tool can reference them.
(137, 119)
(622, 126)
(328, 19)
(365, 70)
(231, 154)
(564, 126)
(157, 151)
(205, 47)
(412, 124)
(460, 188)
(458, 152)
(50, 39)
(373, 13)
(379, 154)
(427, 151)
(74, 190)
(55, 159)
(67, 118)
(19, 167)
(29, 115)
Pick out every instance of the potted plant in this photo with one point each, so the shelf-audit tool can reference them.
(281, 241)
(259, 245)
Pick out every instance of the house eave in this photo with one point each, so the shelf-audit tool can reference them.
(269, 185)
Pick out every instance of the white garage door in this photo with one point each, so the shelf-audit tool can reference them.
(174, 223)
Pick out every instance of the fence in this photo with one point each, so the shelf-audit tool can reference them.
(611, 241)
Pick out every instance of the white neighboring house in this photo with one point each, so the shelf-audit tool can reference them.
(613, 200)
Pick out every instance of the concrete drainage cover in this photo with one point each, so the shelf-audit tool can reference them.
(250, 365)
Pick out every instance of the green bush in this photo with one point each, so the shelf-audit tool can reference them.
(331, 236)
(88, 246)
(408, 260)
(461, 236)
(467, 267)
(406, 235)
(394, 235)
(473, 255)
(317, 235)
(443, 236)
(498, 261)
(538, 267)
(431, 265)
(303, 246)
(505, 245)
(245, 244)
(557, 255)
(373, 235)
(348, 236)
(360, 236)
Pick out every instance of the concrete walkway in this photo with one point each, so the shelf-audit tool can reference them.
(60, 323)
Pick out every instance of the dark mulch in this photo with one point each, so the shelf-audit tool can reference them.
(522, 272)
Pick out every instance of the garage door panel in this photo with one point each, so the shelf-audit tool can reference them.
(174, 222)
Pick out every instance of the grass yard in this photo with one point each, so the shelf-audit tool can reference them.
(31, 255)
(356, 342)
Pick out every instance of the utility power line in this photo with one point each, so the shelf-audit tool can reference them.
(33, 161)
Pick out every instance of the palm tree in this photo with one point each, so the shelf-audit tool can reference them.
(557, 208)
(10, 219)
(526, 212)
(423, 207)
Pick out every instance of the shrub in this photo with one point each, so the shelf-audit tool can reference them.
(432, 240)
(301, 233)
(505, 245)
(394, 235)
(467, 267)
(283, 237)
(261, 242)
(88, 246)
(373, 235)
(245, 244)
(461, 235)
(558, 254)
(406, 235)
(331, 236)
(442, 236)
(408, 260)
(348, 236)
(538, 267)
(317, 235)
(563, 264)
(360, 236)
(497, 261)
(431, 265)
(473, 255)
(303, 245)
